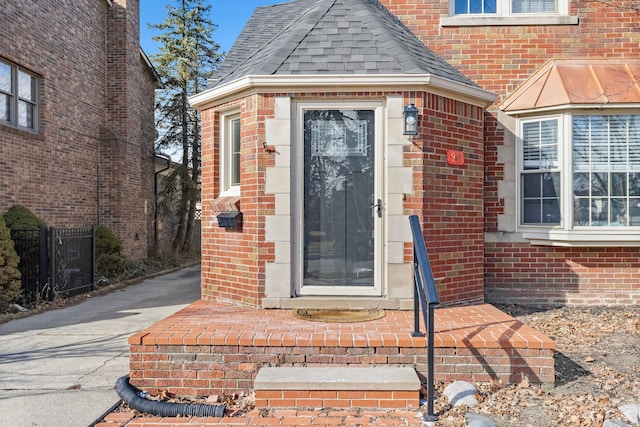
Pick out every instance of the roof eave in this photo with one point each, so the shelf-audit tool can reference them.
(568, 107)
(344, 83)
(156, 76)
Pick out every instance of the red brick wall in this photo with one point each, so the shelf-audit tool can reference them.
(543, 275)
(234, 261)
(204, 370)
(448, 198)
(96, 114)
(500, 58)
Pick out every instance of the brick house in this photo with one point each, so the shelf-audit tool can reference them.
(76, 116)
(571, 65)
(165, 224)
(523, 169)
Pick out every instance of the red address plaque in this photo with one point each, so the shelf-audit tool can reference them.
(455, 157)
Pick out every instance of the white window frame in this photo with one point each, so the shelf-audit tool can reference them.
(558, 169)
(227, 187)
(566, 233)
(504, 15)
(15, 100)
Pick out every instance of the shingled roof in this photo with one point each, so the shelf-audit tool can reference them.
(330, 37)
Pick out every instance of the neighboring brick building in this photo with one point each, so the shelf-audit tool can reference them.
(512, 211)
(166, 223)
(76, 121)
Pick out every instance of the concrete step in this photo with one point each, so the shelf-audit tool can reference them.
(384, 387)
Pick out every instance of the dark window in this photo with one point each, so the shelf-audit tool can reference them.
(19, 103)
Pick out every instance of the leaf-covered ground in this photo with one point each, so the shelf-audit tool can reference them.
(597, 364)
(597, 369)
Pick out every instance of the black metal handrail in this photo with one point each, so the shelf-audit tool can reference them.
(425, 298)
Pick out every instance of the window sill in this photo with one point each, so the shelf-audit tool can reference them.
(628, 237)
(481, 21)
(22, 131)
(231, 192)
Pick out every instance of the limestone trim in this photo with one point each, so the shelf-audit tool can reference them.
(507, 21)
(397, 285)
(348, 83)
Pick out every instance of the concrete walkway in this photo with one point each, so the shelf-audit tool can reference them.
(59, 368)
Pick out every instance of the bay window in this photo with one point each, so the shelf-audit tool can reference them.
(580, 175)
(541, 173)
(606, 170)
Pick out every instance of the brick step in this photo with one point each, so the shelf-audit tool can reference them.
(384, 387)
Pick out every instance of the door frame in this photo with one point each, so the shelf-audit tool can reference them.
(297, 199)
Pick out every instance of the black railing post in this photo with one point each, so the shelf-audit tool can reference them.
(43, 267)
(93, 257)
(416, 301)
(430, 364)
(425, 297)
(53, 271)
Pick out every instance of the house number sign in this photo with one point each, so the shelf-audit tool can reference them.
(455, 157)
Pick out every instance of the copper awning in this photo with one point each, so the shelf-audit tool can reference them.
(583, 82)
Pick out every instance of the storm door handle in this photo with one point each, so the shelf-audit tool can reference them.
(379, 208)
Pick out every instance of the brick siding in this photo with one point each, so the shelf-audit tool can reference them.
(447, 198)
(233, 261)
(97, 126)
(499, 59)
(542, 275)
(203, 370)
(311, 399)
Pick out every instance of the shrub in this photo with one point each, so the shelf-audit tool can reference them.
(20, 218)
(111, 264)
(106, 241)
(10, 285)
(108, 247)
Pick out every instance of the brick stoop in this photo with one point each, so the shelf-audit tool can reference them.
(381, 387)
(277, 418)
(212, 348)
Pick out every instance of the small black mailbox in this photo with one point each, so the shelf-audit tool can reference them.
(230, 219)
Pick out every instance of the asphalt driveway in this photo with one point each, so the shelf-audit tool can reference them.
(59, 368)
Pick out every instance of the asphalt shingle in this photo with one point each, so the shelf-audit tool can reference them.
(330, 37)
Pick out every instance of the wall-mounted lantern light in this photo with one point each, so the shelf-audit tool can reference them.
(410, 120)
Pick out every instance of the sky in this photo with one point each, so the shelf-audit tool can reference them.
(229, 15)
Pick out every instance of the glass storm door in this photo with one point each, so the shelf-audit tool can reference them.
(341, 207)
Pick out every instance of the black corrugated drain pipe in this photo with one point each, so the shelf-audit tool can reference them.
(164, 409)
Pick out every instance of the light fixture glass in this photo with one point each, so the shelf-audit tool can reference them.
(410, 120)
